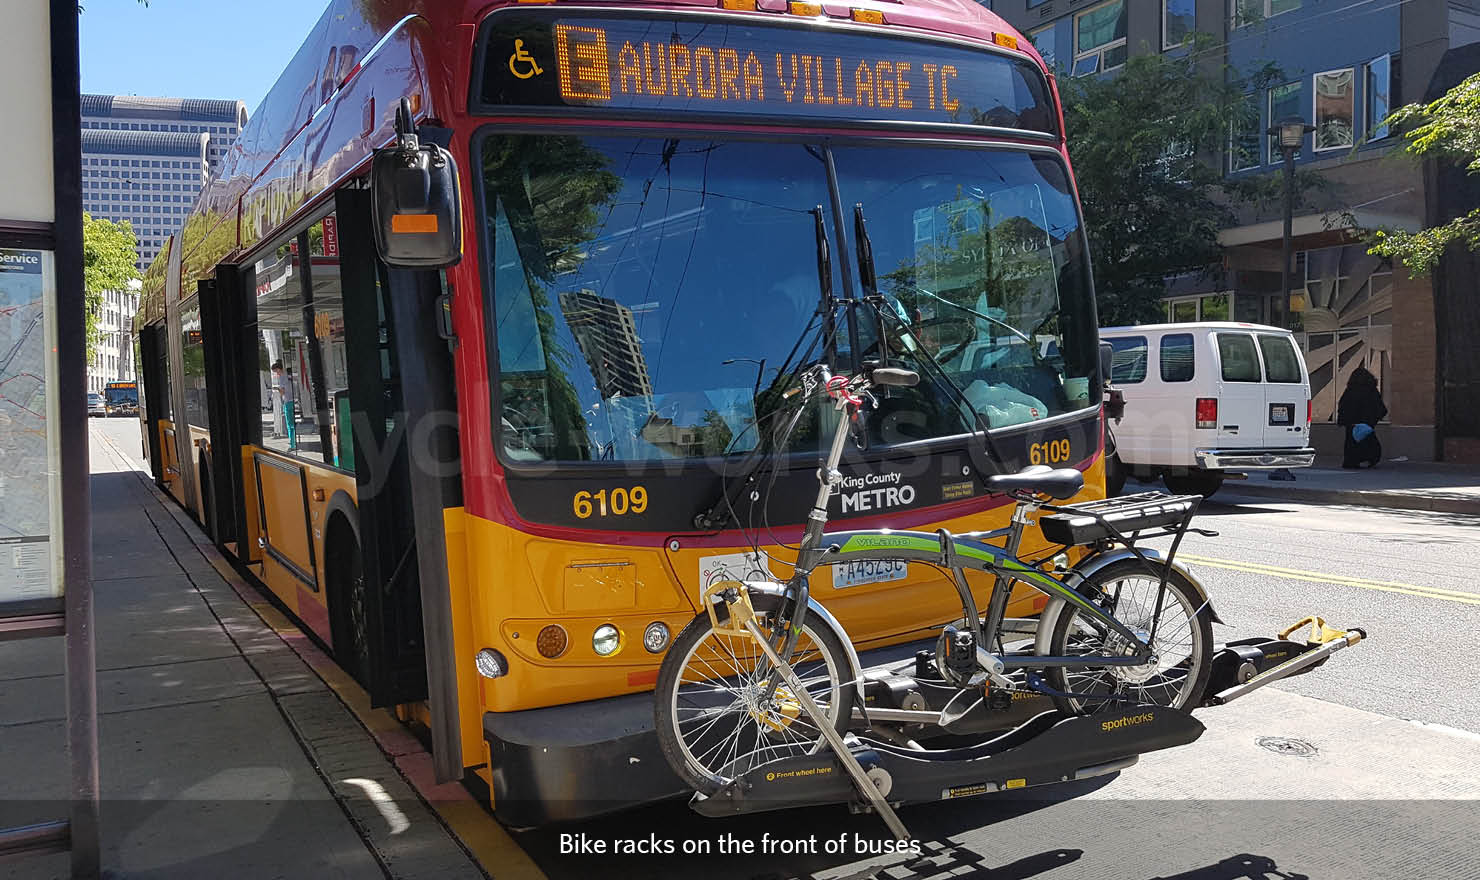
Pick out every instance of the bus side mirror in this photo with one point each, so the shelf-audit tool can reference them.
(1107, 362)
(414, 199)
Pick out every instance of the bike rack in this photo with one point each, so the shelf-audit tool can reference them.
(878, 770)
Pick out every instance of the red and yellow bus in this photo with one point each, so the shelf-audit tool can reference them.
(495, 490)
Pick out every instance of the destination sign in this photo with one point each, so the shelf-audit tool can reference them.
(697, 66)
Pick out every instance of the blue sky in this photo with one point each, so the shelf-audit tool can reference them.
(192, 48)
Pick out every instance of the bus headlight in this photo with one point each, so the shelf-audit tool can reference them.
(491, 664)
(606, 641)
(655, 637)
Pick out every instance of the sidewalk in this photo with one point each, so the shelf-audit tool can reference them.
(223, 753)
(1434, 486)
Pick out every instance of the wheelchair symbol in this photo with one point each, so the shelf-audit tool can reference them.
(522, 57)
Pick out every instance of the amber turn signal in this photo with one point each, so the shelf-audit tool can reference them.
(552, 641)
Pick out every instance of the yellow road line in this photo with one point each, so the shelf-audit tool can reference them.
(1322, 578)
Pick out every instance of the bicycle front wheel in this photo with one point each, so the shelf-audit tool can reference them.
(1182, 645)
(718, 714)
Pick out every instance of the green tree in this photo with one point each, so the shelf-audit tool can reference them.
(1447, 128)
(109, 252)
(1145, 144)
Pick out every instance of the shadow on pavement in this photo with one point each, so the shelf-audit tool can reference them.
(1239, 867)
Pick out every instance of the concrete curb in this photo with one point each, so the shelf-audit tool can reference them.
(1393, 500)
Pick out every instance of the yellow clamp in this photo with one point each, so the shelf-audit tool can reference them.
(1320, 633)
(741, 609)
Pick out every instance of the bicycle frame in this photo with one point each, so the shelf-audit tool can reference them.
(957, 553)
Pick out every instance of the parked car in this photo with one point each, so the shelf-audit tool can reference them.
(95, 405)
(1208, 401)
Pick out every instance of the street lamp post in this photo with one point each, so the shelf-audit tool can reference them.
(1291, 132)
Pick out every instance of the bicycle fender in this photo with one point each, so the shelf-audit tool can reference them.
(776, 590)
(1050, 614)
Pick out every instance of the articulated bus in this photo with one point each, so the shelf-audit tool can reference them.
(496, 490)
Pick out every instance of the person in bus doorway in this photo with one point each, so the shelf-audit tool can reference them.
(1359, 411)
(283, 384)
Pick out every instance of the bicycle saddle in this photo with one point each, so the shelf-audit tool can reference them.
(1040, 479)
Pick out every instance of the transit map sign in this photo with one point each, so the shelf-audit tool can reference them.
(28, 487)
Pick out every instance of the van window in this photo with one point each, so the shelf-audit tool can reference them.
(1177, 357)
(1280, 361)
(1129, 364)
(1240, 361)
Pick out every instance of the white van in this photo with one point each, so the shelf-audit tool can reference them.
(1209, 400)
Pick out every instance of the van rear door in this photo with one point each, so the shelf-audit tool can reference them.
(1286, 392)
(1241, 404)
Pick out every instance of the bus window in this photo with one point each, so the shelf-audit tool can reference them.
(328, 335)
(282, 353)
(193, 377)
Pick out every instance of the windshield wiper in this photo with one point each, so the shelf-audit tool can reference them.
(970, 311)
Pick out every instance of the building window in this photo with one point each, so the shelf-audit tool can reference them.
(1178, 22)
(1099, 39)
(1243, 137)
(1283, 101)
(1378, 76)
(1252, 11)
(1335, 109)
(1043, 41)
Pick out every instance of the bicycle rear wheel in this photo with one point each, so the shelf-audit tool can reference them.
(1183, 644)
(713, 717)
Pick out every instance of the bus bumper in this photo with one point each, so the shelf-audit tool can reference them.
(570, 762)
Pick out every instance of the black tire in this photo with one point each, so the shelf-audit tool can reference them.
(666, 697)
(1114, 475)
(1179, 685)
(350, 627)
(1202, 483)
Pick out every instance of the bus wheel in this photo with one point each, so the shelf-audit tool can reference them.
(350, 623)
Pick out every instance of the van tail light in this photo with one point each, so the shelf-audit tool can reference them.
(1309, 415)
(1207, 412)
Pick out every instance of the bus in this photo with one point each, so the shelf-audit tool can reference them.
(121, 398)
(494, 485)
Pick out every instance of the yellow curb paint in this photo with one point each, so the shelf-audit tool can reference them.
(491, 846)
(1320, 578)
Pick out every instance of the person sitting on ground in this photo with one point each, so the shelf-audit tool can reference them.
(1359, 411)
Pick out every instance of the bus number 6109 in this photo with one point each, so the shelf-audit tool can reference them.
(617, 502)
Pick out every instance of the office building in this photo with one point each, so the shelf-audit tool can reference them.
(113, 360)
(145, 160)
(1344, 67)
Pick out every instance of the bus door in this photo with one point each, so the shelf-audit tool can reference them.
(151, 384)
(405, 450)
(377, 449)
(232, 375)
(159, 407)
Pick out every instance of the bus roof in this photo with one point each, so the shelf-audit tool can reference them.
(334, 104)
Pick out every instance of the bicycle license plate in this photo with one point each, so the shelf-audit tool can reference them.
(868, 571)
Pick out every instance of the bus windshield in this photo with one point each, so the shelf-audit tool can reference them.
(647, 291)
(121, 396)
